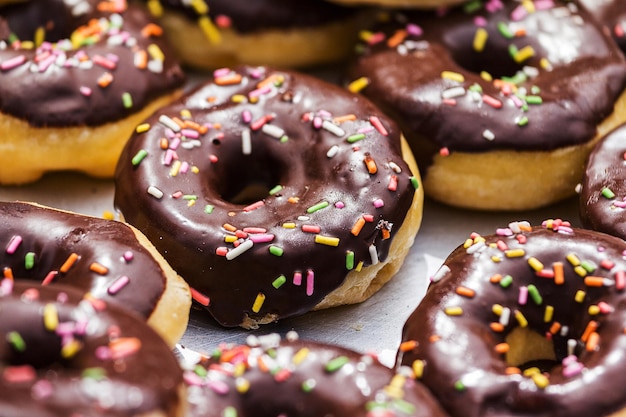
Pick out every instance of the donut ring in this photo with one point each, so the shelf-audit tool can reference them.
(329, 194)
(612, 15)
(602, 191)
(75, 79)
(63, 354)
(109, 260)
(312, 379)
(483, 93)
(210, 34)
(528, 321)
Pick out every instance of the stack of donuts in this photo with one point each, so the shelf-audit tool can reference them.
(271, 158)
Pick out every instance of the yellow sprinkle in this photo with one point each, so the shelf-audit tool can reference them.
(540, 380)
(531, 371)
(300, 356)
(548, 314)
(200, 6)
(519, 316)
(238, 98)
(480, 39)
(573, 259)
(514, 253)
(258, 302)
(454, 76)
(529, 5)
(479, 239)
(195, 169)
(365, 35)
(108, 215)
(486, 76)
(524, 53)
(327, 240)
(580, 271)
(144, 127)
(593, 310)
(289, 225)
(156, 52)
(496, 259)
(230, 238)
(71, 348)
(191, 203)
(155, 8)
(240, 369)
(175, 168)
(395, 388)
(545, 64)
(185, 114)
(497, 309)
(40, 35)
(358, 84)
(418, 368)
(209, 29)
(453, 311)
(535, 264)
(50, 317)
(243, 385)
(359, 266)
(468, 243)
(580, 296)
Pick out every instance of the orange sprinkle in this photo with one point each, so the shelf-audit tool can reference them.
(141, 59)
(559, 277)
(593, 342)
(164, 143)
(494, 279)
(386, 233)
(105, 80)
(465, 292)
(98, 268)
(179, 122)
(592, 326)
(8, 273)
(502, 348)
(272, 79)
(434, 338)
(68, 263)
(512, 370)
(397, 38)
(592, 281)
(496, 327)
(229, 227)
(408, 346)
(556, 326)
(293, 200)
(230, 79)
(229, 355)
(345, 118)
(151, 29)
(358, 226)
(262, 365)
(124, 346)
(370, 164)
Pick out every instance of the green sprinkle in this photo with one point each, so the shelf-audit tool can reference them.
(29, 260)
(459, 386)
(472, 6)
(349, 260)
(404, 406)
(308, 385)
(190, 197)
(475, 88)
(276, 250)
(523, 121)
(415, 183)
(513, 50)
(95, 373)
(336, 364)
(15, 340)
(139, 157)
(534, 100)
(208, 209)
(535, 89)
(276, 189)
(317, 207)
(279, 282)
(505, 31)
(506, 281)
(355, 138)
(200, 370)
(607, 193)
(589, 266)
(127, 100)
(284, 139)
(517, 79)
(230, 411)
(534, 294)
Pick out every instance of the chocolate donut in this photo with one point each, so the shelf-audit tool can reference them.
(289, 377)
(210, 34)
(527, 321)
(63, 354)
(503, 100)
(75, 78)
(291, 187)
(109, 260)
(603, 190)
(612, 15)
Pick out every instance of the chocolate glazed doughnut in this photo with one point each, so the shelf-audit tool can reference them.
(109, 260)
(62, 354)
(501, 102)
(268, 190)
(612, 16)
(527, 321)
(75, 78)
(292, 377)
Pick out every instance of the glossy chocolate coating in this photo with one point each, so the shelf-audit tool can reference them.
(87, 383)
(50, 237)
(587, 74)
(612, 15)
(253, 16)
(463, 368)
(198, 212)
(603, 189)
(302, 380)
(49, 91)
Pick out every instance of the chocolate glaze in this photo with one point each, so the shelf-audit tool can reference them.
(53, 236)
(87, 383)
(603, 191)
(253, 16)
(587, 74)
(189, 237)
(301, 381)
(612, 15)
(462, 367)
(51, 95)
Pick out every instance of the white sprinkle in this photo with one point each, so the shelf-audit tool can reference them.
(453, 92)
(273, 131)
(476, 247)
(571, 345)
(441, 272)
(373, 254)
(244, 246)
(395, 167)
(332, 151)
(505, 316)
(165, 120)
(333, 128)
(488, 134)
(246, 142)
(155, 192)
(531, 72)
(155, 66)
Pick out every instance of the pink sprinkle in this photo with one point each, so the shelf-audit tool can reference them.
(620, 280)
(184, 167)
(49, 277)
(522, 298)
(393, 183)
(376, 38)
(45, 64)
(378, 203)
(104, 62)
(297, 278)
(368, 218)
(13, 62)
(317, 122)
(544, 4)
(14, 243)
(169, 156)
(86, 91)
(375, 121)
(253, 230)
(413, 29)
(6, 286)
(220, 72)
(128, 256)
(213, 158)
(42, 389)
(519, 13)
(17, 374)
(573, 369)
(262, 238)
(246, 116)
(174, 143)
(192, 379)
(309, 228)
(103, 353)
(480, 21)
(502, 245)
(220, 387)
(310, 277)
(605, 308)
(339, 204)
(259, 91)
(254, 206)
(221, 251)
(118, 284)
(190, 133)
(365, 129)
(493, 102)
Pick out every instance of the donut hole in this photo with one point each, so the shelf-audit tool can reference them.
(52, 17)
(246, 183)
(528, 349)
